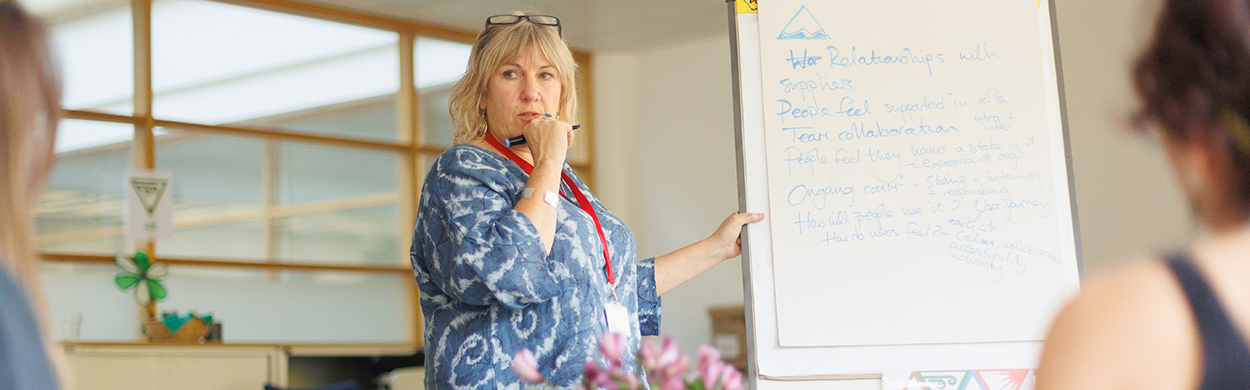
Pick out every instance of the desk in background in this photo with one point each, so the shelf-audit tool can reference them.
(230, 366)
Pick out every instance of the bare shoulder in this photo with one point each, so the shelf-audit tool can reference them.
(1129, 324)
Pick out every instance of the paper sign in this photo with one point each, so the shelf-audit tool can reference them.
(149, 213)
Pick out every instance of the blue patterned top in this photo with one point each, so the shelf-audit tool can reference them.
(487, 291)
(24, 365)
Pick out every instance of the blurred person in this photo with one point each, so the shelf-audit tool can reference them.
(29, 110)
(1180, 321)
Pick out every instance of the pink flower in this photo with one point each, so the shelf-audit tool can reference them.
(667, 368)
(526, 366)
(612, 346)
(673, 383)
(731, 379)
(664, 362)
(596, 377)
(631, 381)
(710, 365)
(676, 369)
(668, 352)
(712, 371)
(650, 353)
(708, 354)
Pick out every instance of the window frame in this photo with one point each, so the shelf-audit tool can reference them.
(410, 146)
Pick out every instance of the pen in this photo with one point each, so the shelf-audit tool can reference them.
(520, 139)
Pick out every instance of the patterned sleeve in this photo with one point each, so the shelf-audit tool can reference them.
(485, 252)
(648, 300)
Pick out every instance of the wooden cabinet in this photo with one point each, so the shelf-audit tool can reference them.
(729, 334)
(160, 367)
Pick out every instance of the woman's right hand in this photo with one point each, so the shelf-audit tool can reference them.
(548, 140)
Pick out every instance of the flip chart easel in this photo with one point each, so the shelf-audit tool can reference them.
(914, 154)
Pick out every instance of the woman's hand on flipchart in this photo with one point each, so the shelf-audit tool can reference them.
(673, 269)
(726, 243)
(549, 140)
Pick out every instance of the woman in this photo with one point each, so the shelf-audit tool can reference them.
(29, 110)
(504, 250)
(1179, 323)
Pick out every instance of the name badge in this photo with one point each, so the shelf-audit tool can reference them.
(618, 318)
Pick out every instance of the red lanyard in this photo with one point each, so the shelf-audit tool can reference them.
(582, 202)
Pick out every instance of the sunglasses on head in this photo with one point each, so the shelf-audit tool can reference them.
(542, 20)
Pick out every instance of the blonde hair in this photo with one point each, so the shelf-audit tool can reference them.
(495, 46)
(30, 99)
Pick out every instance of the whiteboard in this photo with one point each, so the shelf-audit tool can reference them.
(912, 160)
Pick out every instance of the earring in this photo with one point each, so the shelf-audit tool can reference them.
(481, 125)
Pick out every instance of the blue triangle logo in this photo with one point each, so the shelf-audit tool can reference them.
(803, 26)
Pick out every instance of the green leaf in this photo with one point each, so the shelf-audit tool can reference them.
(125, 281)
(141, 260)
(156, 290)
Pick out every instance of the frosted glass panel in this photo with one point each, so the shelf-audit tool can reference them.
(234, 241)
(309, 173)
(439, 62)
(218, 193)
(300, 307)
(374, 119)
(75, 135)
(216, 63)
(439, 65)
(96, 55)
(370, 236)
(436, 119)
(212, 173)
(80, 210)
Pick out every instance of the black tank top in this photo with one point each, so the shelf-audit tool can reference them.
(1225, 356)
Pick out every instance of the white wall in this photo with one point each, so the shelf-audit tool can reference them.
(616, 134)
(688, 172)
(1128, 201)
(684, 162)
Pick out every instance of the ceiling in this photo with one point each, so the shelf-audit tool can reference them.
(595, 25)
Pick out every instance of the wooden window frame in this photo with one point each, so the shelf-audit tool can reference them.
(409, 145)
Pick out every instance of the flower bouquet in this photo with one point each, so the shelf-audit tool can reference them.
(665, 366)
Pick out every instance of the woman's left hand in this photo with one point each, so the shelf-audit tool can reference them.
(673, 269)
(726, 243)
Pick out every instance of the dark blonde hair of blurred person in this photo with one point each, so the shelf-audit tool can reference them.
(29, 111)
(1136, 328)
(498, 45)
